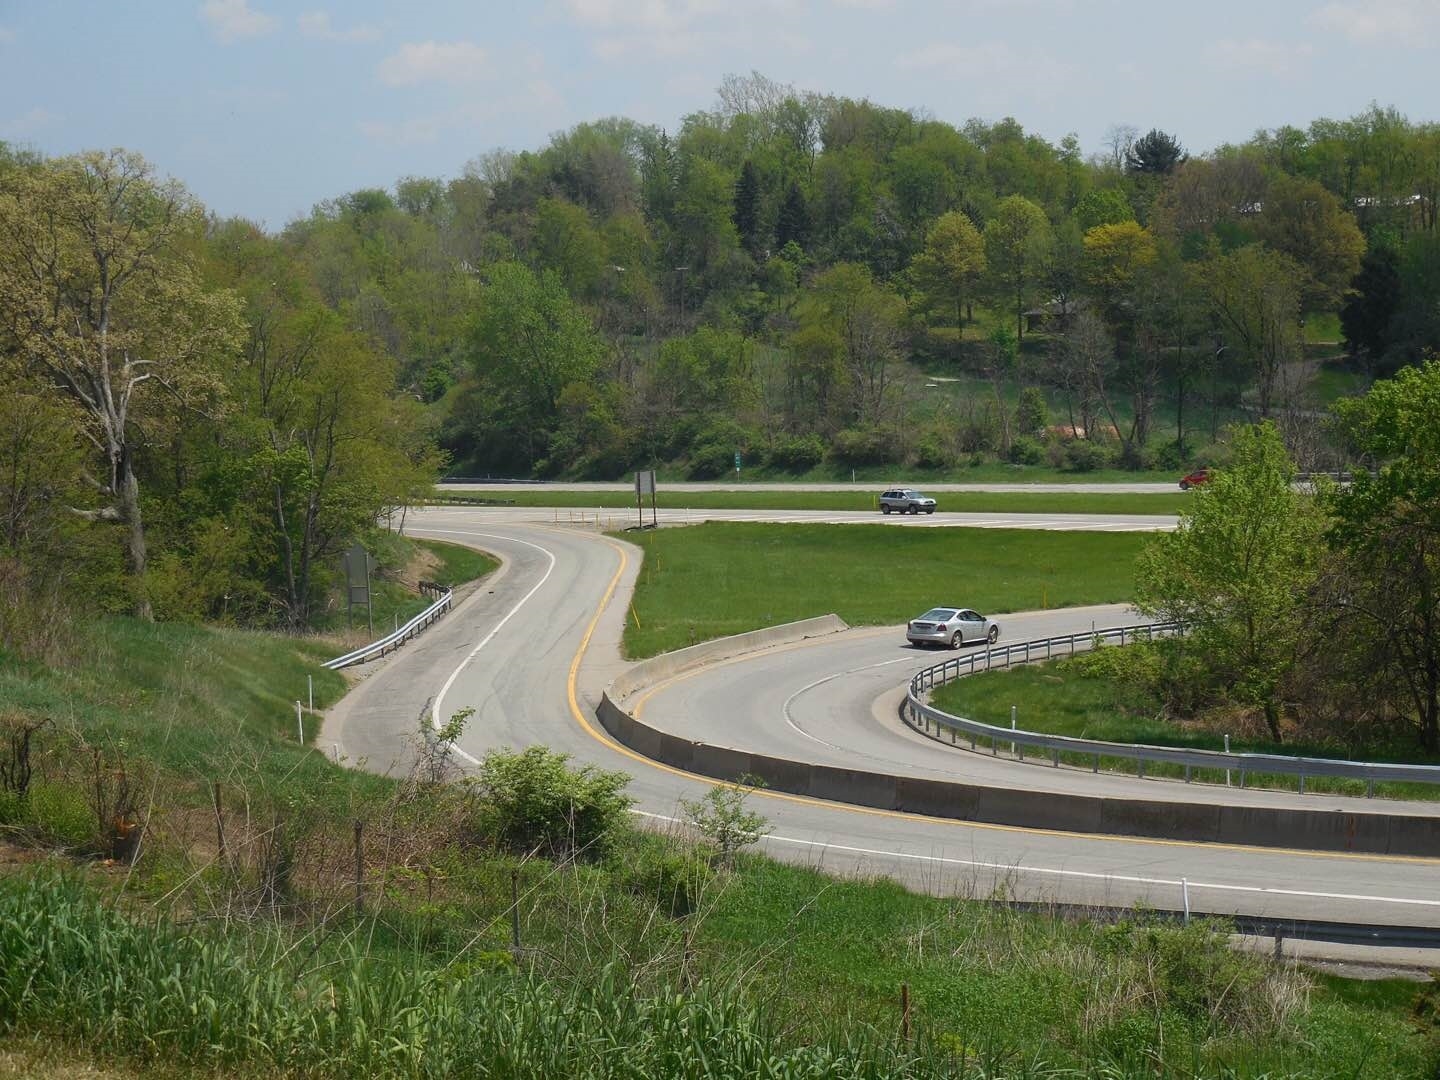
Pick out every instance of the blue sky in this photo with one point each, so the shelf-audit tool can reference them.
(264, 107)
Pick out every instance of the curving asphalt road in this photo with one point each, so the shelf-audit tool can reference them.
(532, 650)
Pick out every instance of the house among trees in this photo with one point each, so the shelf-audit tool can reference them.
(1054, 317)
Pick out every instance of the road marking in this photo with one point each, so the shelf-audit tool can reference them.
(1132, 879)
(440, 697)
(604, 739)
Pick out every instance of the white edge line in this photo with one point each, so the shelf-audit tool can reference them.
(440, 697)
(1089, 875)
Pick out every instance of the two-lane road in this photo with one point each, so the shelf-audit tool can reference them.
(532, 654)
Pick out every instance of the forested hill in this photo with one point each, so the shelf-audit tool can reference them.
(754, 279)
(813, 282)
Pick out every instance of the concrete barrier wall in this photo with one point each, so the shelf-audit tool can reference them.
(667, 665)
(1308, 830)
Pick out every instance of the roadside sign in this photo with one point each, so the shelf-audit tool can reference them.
(737, 461)
(645, 485)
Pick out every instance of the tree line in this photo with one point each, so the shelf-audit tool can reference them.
(202, 414)
(188, 428)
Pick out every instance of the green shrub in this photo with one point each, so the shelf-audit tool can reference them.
(935, 451)
(865, 446)
(674, 880)
(1081, 455)
(710, 461)
(531, 800)
(1032, 414)
(1026, 451)
(799, 454)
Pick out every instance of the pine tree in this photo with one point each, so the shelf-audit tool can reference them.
(746, 214)
(794, 220)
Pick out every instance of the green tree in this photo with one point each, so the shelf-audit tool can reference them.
(1387, 530)
(793, 223)
(1365, 319)
(952, 262)
(1154, 154)
(746, 213)
(1103, 206)
(1017, 240)
(1304, 221)
(1254, 294)
(529, 341)
(863, 319)
(100, 298)
(1237, 570)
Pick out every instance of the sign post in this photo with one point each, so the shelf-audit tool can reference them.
(358, 565)
(645, 485)
(737, 462)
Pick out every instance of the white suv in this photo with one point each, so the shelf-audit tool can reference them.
(905, 500)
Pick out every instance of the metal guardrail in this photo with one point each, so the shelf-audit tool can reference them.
(922, 717)
(393, 641)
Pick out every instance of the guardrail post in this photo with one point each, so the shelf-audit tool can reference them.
(1302, 783)
(1242, 778)
(1187, 774)
(1369, 789)
(1140, 768)
(1096, 767)
(1054, 758)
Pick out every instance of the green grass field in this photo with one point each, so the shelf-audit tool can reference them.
(1060, 699)
(967, 502)
(717, 579)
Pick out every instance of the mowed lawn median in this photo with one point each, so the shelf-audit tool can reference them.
(709, 581)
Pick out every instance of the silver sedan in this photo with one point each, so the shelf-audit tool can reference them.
(951, 626)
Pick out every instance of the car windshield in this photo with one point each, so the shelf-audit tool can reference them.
(911, 494)
(938, 614)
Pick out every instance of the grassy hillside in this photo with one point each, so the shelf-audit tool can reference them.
(466, 959)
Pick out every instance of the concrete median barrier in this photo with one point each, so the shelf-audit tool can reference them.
(667, 665)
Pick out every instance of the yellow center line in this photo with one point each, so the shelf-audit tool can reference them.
(605, 739)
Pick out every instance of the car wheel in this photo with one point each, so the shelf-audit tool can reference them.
(994, 634)
(956, 640)
(885, 509)
(1184, 485)
(914, 509)
(929, 510)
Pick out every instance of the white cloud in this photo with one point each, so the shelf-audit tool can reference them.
(422, 129)
(231, 20)
(316, 24)
(1266, 57)
(434, 61)
(967, 61)
(1406, 22)
(678, 27)
(28, 125)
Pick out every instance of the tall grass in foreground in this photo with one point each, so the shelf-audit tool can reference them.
(264, 997)
(73, 967)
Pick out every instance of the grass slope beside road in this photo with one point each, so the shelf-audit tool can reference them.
(963, 502)
(718, 579)
(1062, 698)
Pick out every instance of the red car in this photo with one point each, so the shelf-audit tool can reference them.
(1194, 479)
